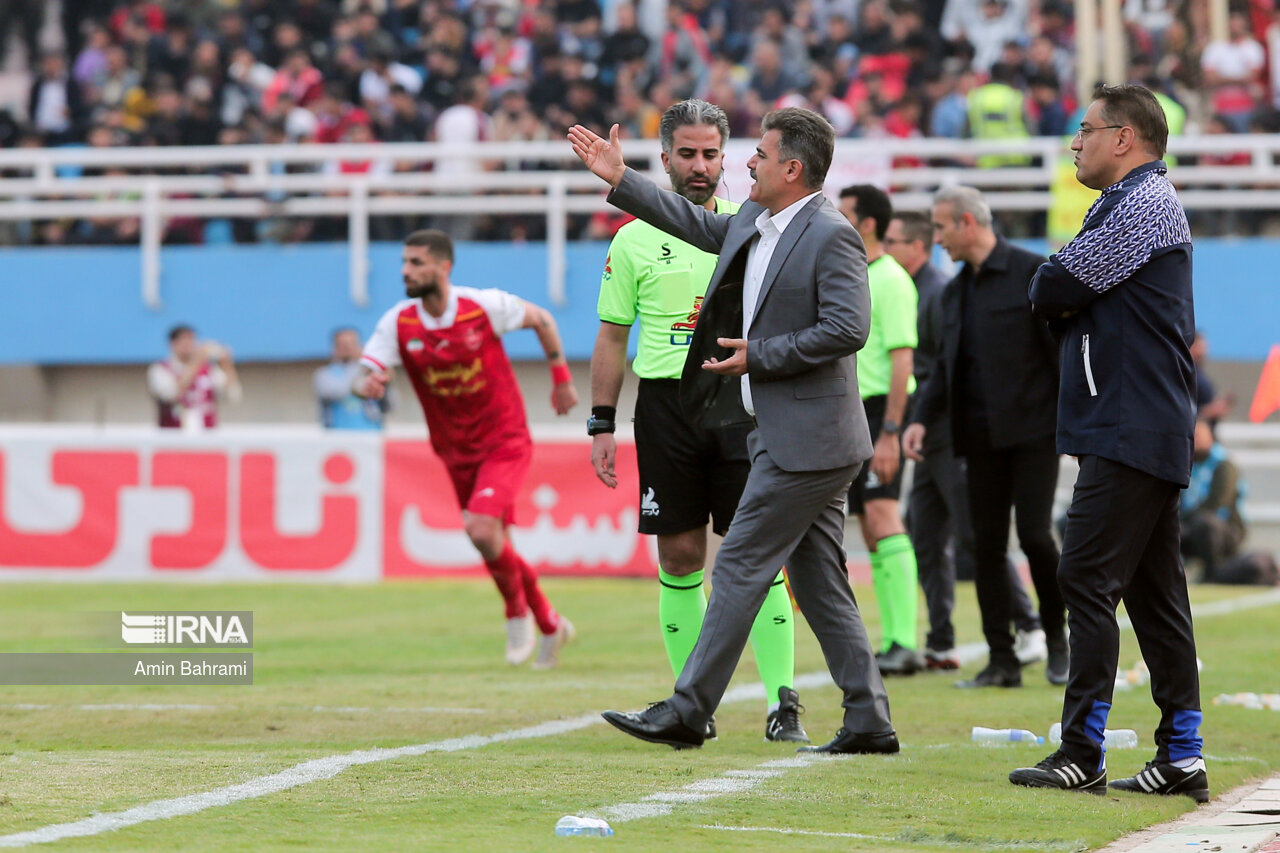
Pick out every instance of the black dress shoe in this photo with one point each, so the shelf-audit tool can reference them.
(994, 676)
(857, 743)
(899, 660)
(659, 723)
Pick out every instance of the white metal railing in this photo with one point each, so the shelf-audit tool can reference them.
(48, 184)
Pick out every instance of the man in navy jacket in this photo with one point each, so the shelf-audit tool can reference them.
(1120, 296)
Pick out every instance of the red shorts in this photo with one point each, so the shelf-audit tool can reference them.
(489, 485)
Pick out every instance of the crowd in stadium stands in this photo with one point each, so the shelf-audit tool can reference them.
(202, 72)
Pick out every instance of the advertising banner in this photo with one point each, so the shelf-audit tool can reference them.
(272, 504)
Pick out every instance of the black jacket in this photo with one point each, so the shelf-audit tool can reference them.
(1121, 294)
(1018, 357)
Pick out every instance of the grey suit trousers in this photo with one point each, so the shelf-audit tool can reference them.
(796, 518)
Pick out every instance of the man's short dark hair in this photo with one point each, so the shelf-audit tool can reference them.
(1131, 105)
(342, 330)
(438, 243)
(916, 226)
(873, 202)
(180, 330)
(805, 136)
(691, 113)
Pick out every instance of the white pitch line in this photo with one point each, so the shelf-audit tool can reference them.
(320, 769)
(663, 803)
(301, 774)
(319, 709)
(144, 706)
(933, 842)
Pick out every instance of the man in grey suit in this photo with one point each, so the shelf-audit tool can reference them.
(781, 345)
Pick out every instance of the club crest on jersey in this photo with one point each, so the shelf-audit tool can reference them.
(415, 345)
(472, 339)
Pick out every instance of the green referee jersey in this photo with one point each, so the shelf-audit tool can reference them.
(660, 280)
(893, 325)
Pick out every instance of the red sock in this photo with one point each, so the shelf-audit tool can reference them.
(508, 575)
(543, 613)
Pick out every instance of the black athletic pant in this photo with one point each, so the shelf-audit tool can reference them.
(1122, 545)
(1022, 478)
(938, 517)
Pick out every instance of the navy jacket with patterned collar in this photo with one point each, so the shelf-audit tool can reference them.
(1120, 295)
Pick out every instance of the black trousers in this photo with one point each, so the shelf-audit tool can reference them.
(1022, 479)
(938, 517)
(1122, 545)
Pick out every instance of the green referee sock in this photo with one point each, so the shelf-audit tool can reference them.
(884, 599)
(773, 639)
(898, 559)
(681, 604)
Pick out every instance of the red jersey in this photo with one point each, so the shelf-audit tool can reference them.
(459, 370)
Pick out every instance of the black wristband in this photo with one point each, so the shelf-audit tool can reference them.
(602, 420)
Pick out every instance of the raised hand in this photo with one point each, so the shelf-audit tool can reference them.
(601, 157)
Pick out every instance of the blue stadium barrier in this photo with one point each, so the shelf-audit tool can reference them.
(279, 303)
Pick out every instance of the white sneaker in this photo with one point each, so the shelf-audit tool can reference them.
(1030, 647)
(549, 645)
(520, 639)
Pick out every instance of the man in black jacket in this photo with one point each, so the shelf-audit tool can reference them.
(938, 507)
(997, 377)
(1120, 294)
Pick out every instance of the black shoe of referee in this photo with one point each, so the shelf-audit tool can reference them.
(784, 723)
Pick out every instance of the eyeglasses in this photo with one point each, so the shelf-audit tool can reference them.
(1085, 131)
(890, 240)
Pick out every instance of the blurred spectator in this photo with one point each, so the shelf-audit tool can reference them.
(1211, 406)
(76, 15)
(188, 384)
(1213, 527)
(339, 407)
(55, 105)
(997, 110)
(90, 67)
(793, 52)
(170, 52)
(27, 15)
(1048, 106)
(246, 81)
(149, 14)
(684, 52)
(1233, 73)
(335, 116)
(382, 73)
(298, 77)
(770, 80)
(950, 115)
(627, 47)
(996, 26)
(406, 120)
(121, 81)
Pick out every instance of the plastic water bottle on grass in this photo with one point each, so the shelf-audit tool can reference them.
(574, 825)
(1111, 738)
(991, 737)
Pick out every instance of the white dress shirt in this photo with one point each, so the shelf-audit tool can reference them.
(759, 254)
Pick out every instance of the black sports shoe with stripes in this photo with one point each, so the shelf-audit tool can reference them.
(1059, 771)
(1160, 777)
(784, 723)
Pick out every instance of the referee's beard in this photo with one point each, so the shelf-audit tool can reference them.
(697, 188)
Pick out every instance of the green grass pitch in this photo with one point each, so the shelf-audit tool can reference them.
(342, 669)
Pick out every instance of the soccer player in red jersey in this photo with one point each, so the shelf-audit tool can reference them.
(448, 339)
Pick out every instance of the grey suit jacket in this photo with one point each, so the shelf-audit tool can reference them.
(813, 314)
